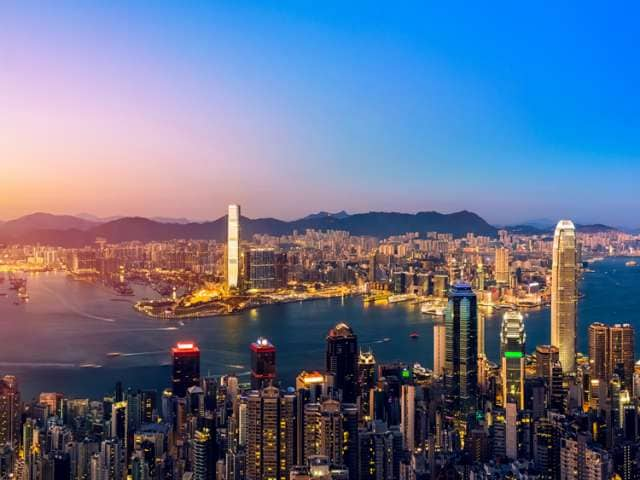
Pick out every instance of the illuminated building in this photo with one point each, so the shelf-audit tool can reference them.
(564, 294)
(612, 351)
(186, 367)
(408, 415)
(10, 412)
(204, 461)
(233, 246)
(262, 269)
(546, 357)
(622, 352)
(546, 451)
(366, 379)
(342, 360)
(599, 351)
(439, 347)
(263, 363)
(502, 265)
(331, 433)
(461, 358)
(512, 346)
(53, 401)
(270, 434)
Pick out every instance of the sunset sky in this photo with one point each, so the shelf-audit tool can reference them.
(173, 109)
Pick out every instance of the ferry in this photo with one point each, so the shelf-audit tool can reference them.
(90, 365)
(631, 263)
(431, 309)
(374, 297)
(401, 298)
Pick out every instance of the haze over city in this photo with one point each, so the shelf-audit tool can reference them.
(288, 108)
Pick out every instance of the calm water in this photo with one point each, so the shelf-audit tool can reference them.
(67, 324)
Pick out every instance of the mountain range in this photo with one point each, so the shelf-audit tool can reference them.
(83, 229)
(74, 231)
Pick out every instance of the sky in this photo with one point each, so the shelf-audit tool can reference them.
(175, 109)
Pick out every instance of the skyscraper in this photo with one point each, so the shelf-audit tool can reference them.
(599, 351)
(9, 411)
(622, 353)
(461, 358)
(342, 360)
(262, 268)
(546, 357)
(564, 294)
(439, 347)
(408, 415)
(611, 351)
(512, 351)
(366, 379)
(233, 246)
(186, 367)
(270, 434)
(204, 461)
(502, 265)
(263, 363)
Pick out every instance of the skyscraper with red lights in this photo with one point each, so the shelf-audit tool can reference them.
(263, 363)
(185, 358)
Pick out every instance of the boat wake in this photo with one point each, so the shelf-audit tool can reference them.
(76, 310)
(38, 364)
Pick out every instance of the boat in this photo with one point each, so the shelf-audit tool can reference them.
(631, 263)
(431, 309)
(400, 298)
(414, 335)
(386, 339)
(90, 365)
(114, 354)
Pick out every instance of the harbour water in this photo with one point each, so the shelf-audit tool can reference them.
(57, 340)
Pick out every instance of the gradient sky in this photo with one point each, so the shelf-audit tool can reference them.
(178, 108)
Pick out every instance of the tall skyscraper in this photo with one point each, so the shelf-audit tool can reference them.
(263, 363)
(622, 353)
(439, 347)
(512, 352)
(461, 359)
(612, 351)
(564, 294)
(342, 360)
(408, 415)
(502, 265)
(9, 411)
(186, 367)
(366, 380)
(599, 351)
(270, 434)
(233, 246)
(204, 461)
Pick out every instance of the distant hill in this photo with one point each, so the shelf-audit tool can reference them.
(379, 224)
(533, 230)
(44, 221)
(339, 215)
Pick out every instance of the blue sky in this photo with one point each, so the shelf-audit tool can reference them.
(178, 108)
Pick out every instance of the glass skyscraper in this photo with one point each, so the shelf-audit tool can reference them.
(512, 352)
(461, 358)
(564, 294)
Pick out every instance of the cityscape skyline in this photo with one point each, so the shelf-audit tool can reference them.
(435, 278)
(257, 103)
